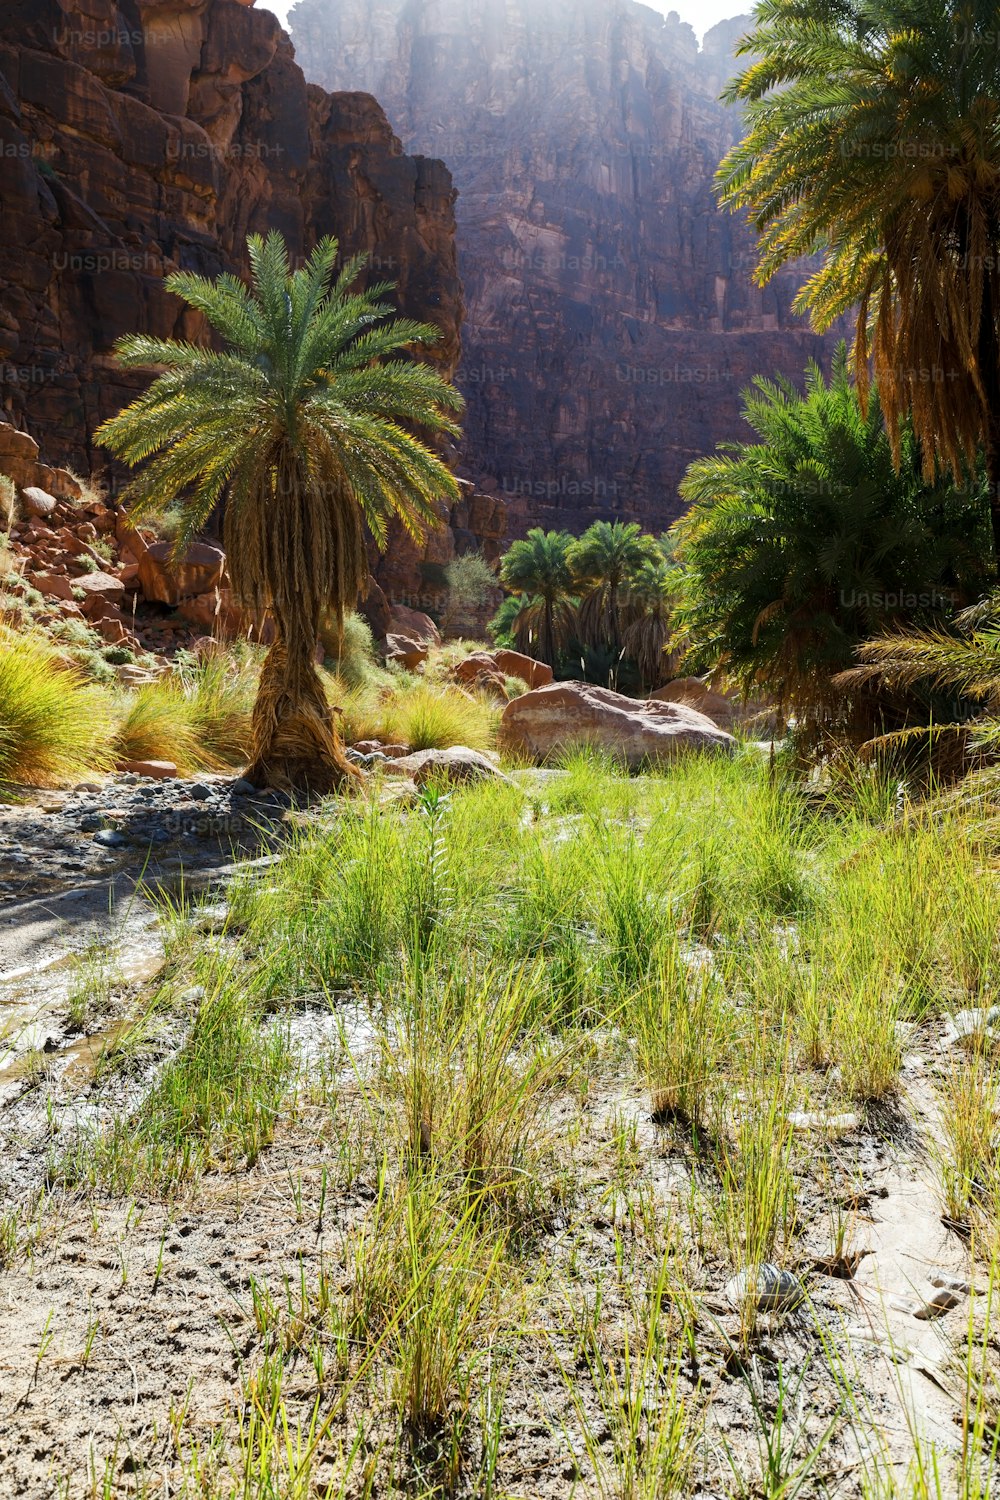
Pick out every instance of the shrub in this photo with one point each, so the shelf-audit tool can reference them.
(199, 718)
(351, 649)
(8, 502)
(54, 726)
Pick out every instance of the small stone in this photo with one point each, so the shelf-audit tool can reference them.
(109, 838)
(242, 788)
(801, 1119)
(155, 770)
(200, 792)
(91, 823)
(773, 1289)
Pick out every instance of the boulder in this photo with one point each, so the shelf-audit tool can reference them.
(729, 712)
(515, 664)
(413, 624)
(564, 715)
(405, 651)
(457, 763)
(166, 581)
(699, 695)
(480, 670)
(376, 747)
(52, 585)
(36, 502)
(18, 455)
(99, 587)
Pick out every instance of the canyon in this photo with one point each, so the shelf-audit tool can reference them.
(140, 137)
(612, 318)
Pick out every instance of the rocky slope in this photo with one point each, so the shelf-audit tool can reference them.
(143, 136)
(612, 318)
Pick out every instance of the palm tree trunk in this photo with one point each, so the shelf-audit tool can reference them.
(989, 373)
(548, 651)
(294, 742)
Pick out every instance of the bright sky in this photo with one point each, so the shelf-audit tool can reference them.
(700, 14)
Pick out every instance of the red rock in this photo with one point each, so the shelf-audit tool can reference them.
(99, 587)
(516, 664)
(608, 294)
(155, 770)
(168, 582)
(111, 629)
(52, 585)
(548, 720)
(413, 624)
(405, 652)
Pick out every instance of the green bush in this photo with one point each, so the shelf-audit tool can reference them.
(54, 726)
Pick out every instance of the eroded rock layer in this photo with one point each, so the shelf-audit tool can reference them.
(142, 136)
(612, 318)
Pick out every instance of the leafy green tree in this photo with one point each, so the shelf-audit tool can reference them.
(537, 570)
(797, 548)
(603, 562)
(873, 136)
(298, 427)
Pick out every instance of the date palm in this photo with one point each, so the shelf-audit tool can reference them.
(652, 596)
(297, 428)
(800, 546)
(603, 561)
(537, 570)
(873, 136)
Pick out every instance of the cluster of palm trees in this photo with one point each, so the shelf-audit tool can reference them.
(871, 138)
(602, 599)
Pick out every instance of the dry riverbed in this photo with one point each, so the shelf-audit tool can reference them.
(199, 1341)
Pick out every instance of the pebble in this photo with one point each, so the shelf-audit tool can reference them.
(775, 1290)
(200, 792)
(241, 788)
(91, 823)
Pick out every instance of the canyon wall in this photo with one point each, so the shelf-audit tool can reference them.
(144, 136)
(612, 318)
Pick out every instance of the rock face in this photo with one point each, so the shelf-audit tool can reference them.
(563, 715)
(612, 318)
(138, 137)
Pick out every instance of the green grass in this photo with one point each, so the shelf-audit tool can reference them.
(585, 1007)
(54, 726)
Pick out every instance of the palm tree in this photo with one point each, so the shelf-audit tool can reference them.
(797, 548)
(649, 609)
(873, 136)
(603, 561)
(537, 570)
(297, 428)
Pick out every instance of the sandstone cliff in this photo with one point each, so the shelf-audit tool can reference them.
(142, 136)
(612, 318)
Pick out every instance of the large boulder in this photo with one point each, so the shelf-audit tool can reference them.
(697, 694)
(166, 581)
(413, 624)
(729, 712)
(515, 664)
(37, 502)
(565, 715)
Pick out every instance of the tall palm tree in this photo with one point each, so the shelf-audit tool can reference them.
(297, 428)
(652, 596)
(537, 570)
(603, 561)
(798, 547)
(873, 136)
